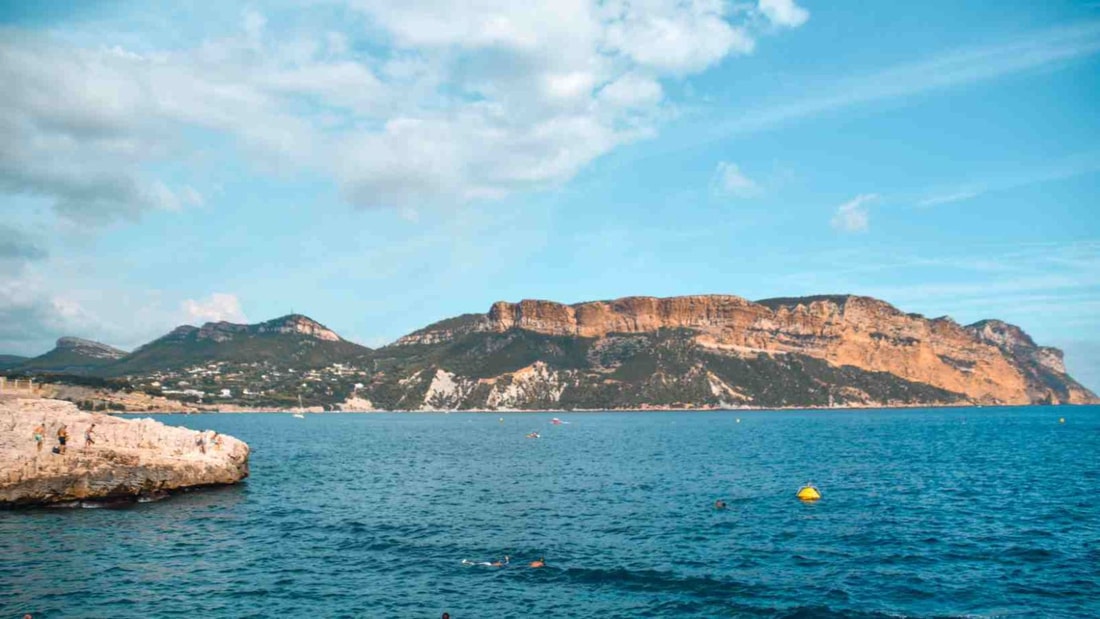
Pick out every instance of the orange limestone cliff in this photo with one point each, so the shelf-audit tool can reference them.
(989, 362)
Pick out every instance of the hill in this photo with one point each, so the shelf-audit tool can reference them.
(293, 340)
(11, 361)
(72, 355)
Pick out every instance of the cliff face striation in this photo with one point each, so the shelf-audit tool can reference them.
(720, 350)
(130, 458)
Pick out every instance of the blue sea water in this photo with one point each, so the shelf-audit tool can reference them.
(925, 513)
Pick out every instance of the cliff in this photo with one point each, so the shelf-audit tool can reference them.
(720, 350)
(130, 458)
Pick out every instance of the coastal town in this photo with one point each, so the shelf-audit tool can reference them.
(259, 384)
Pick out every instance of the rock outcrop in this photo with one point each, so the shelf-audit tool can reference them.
(989, 362)
(129, 460)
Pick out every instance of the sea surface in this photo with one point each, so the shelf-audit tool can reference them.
(989, 512)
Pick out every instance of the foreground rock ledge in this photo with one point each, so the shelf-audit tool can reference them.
(131, 458)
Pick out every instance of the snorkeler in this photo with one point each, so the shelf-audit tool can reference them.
(498, 563)
(540, 562)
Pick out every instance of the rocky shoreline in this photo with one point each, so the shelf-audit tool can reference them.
(128, 460)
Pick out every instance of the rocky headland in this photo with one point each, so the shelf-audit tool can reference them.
(723, 351)
(130, 458)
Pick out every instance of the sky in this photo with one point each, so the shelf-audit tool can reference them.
(379, 166)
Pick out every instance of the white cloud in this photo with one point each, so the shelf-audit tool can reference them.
(632, 91)
(729, 180)
(215, 308)
(469, 100)
(784, 12)
(852, 216)
(674, 37)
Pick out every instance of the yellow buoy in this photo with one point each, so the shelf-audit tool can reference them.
(809, 493)
(1061, 420)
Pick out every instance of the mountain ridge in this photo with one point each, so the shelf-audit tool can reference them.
(695, 351)
(975, 364)
(294, 336)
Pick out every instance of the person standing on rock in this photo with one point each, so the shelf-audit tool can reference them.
(89, 438)
(39, 436)
(62, 438)
(200, 442)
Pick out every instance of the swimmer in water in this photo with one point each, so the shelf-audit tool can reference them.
(498, 563)
(540, 562)
(719, 504)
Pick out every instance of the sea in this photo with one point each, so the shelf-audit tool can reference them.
(979, 512)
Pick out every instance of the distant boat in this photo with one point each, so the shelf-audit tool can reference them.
(300, 414)
(556, 421)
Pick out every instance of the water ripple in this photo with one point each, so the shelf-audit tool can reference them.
(372, 516)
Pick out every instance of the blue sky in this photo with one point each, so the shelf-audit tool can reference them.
(379, 166)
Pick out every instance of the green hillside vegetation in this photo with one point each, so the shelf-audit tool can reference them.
(665, 368)
(11, 361)
(178, 350)
(64, 361)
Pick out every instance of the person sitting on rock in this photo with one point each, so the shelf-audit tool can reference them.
(39, 436)
(62, 438)
(89, 437)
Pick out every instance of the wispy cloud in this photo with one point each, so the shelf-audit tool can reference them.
(731, 181)
(1070, 168)
(1023, 283)
(955, 68)
(955, 196)
(852, 216)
